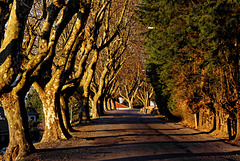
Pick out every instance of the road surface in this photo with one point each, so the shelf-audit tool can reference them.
(127, 135)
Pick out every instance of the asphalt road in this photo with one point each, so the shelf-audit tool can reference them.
(127, 135)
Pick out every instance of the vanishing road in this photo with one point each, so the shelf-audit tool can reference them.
(127, 135)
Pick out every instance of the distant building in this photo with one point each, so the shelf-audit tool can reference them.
(32, 116)
(153, 103)
(121, 100)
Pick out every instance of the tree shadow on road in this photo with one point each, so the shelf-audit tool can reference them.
(129, 129)
(76, 152)
(178, 157)
(128, 118)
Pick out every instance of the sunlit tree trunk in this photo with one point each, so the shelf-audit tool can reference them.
(113, 104)
(95, 109)
(11, 58)
(105, 104)
(51, 91)
(54, 128)
(97, 106)
(109, 105)
(86, 86)
(130, 104)
(98, 98)
(20, 144)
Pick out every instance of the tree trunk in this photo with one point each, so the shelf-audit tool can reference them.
(214, 123)
(97, 106)
(108, 103)
(217, 121)
(145, 105)
(95, 111)
(130, 104)
(54, 128)
(113, 104)
(200, 121)
(229, 128)
(196, 120)
(65, 113)
(100, 106)
(85, 112)
(20, 144)
(238, 126)
(105, 106)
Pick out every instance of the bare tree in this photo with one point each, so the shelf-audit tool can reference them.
(132, 78)
(145, 93)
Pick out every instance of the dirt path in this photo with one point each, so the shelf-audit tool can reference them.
(126, 135)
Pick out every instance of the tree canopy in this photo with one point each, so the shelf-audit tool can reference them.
(193, 49)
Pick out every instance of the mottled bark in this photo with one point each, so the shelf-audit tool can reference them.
(26, 80)
(12, 99)
(54, 127)
(20, 144)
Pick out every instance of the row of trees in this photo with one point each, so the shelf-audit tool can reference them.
(194, 57)
(62, 49)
